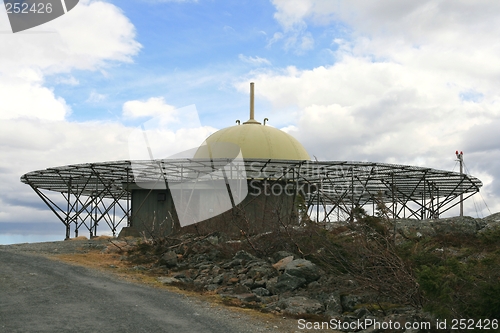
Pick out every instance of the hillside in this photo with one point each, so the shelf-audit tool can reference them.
(372, 269)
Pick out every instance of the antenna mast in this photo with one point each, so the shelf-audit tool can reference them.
(460, 157)
(252, 106)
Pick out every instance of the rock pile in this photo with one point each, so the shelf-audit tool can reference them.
(288, 284)
(284, 284)
(248, 278)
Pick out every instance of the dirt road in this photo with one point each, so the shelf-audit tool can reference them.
(42, 295)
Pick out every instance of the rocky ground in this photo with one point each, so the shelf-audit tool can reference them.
(284, 283)
(287, 284)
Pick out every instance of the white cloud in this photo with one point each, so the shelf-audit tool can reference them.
(409, 85)
(290, 14)
(276, 37)
(453, 35)
(73, 44)
(168, 132)
(254, 60)
(27, 97)
(95, 97)
(69, 80)
(414, 75)
(33, 131)
(154, 106)
(228, 29)
(381, 109)
(33, 144)
(306, 42)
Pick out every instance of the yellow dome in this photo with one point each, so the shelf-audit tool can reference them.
(255, 141)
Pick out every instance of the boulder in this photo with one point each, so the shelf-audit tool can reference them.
(167, 279)
(260, 270)
(248, 283)
(492, 218)
(303, 269)
(244, 255)
(218, 279)
(261, 291)
(260, 283)
(129, 232)
(463, 225)
(333, 305)
(300, 305)
(349, 302)
(282, 254)
(280, 265)
(183, 278)
(242, 297)
(240, 289)
(169, 259)
(284, 283)
(214, 240)
(233, 263)
(211, 287)
(491, 223)
(410, 228)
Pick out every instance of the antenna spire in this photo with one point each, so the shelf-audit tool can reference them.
(252, 103)
(460, 158)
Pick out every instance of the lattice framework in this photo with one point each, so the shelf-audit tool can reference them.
(96, 192)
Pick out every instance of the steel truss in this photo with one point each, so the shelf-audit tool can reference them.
(90, 194)
(96, 192)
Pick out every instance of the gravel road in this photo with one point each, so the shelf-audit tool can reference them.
(38, 294)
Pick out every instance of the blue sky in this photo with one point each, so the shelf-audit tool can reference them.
(190, 43)
(388, 81)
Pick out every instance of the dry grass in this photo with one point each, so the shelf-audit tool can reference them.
(108, 262)
(102, 237)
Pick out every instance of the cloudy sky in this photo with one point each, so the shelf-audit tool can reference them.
(387, 81)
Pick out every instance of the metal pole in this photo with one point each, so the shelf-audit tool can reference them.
(129, 197)
(96, 207)
(68, 224)
(317, 205)
(460, 157)
(77, 199)
(252, 94)
(393, 197)
(423, 201)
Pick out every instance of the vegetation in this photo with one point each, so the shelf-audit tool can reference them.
(448, 275)
(459, 275)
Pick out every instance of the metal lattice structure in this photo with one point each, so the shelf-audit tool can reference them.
(93, 193)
